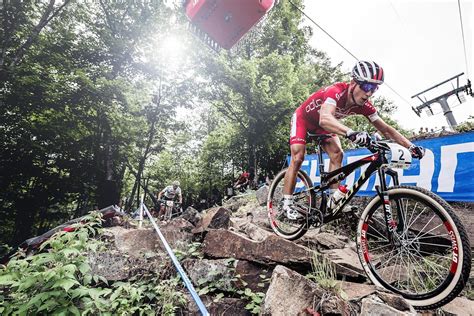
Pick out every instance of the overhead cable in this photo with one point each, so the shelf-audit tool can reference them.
(342, 46)
(463, 41)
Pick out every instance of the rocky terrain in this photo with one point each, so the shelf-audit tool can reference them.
(240, 267)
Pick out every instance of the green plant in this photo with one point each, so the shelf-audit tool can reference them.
(193, 250)
(324, 273)
(466, 126)
(254, 299)
(58, 280)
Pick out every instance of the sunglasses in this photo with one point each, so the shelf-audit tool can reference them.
(368, 87)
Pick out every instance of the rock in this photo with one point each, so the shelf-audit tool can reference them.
(235, 202)
(253, 231)
(115, 266)
(356, 290)
(261, 195)
(228, 274)
(254, 275)
(374, 306)
(136, 242)
(205, 272)
(315, 240)
(191, 215)
(260, 217)
(290, 293)
(223, 306)
(347, 262)
(111, 266)
(218, 217)
(460, 306)
(271, 251)
(395, 301)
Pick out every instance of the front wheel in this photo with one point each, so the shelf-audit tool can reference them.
(428, 260)
(303, 200)
(168, 213)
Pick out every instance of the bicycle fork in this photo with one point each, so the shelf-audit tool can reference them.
(391, 225)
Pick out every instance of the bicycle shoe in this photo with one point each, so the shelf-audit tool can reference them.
(291, 213)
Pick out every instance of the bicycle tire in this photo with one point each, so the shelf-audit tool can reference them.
(450, 250)
(279, 223)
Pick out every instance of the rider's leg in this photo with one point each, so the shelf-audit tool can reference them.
(297, 157)
(334, 150)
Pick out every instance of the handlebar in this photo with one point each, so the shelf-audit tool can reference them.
(377, 146)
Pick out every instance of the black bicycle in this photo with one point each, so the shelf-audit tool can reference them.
(409, 240)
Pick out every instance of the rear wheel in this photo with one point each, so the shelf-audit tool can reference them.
(303, 199)
(429, 260)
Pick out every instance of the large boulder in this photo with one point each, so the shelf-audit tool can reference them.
(271, 251)
(228, 274)
(373, 305)
(259, 217)
(191, 215)
(459, 306)
(347, 262)
(214, 218)
(322, 241)
(290, 293)
(253, 231)
(139, 242)
(204, 272)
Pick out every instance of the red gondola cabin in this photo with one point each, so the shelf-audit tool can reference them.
(224, 22)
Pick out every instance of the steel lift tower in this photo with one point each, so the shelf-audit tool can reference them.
(443, 99)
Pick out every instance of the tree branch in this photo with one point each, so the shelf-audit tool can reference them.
(45, 19)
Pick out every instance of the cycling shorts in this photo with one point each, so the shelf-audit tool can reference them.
(300, 127)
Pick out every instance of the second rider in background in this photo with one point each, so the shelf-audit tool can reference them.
(170, 193)
(320, 114)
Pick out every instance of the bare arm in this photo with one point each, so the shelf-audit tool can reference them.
(328, 121)
(391, 133)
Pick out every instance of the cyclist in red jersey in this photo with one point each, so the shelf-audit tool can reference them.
(320, 114)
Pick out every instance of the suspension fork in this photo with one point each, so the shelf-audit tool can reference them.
(400, 209)
(323, 176)
(383, 194)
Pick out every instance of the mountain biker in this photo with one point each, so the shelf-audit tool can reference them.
(170, 193)
(320, 114)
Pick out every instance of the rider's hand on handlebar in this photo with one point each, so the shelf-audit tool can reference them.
(358, 138)
(416, 151)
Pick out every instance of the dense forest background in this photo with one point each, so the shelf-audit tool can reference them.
(96, 104)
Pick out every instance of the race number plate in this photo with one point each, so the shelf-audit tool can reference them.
(169, 203)
(398, 157)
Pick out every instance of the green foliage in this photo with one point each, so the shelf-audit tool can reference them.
(58, 280)
(55, 279)
(193, 250)
(324, 274)
(466, 126)
(254, 299)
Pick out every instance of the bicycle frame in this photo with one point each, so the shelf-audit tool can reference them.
(375, 162)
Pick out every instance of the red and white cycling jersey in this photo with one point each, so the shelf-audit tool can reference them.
(306, 117)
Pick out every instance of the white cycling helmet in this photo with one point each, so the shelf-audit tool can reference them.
(367, 71)
(176, 183)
